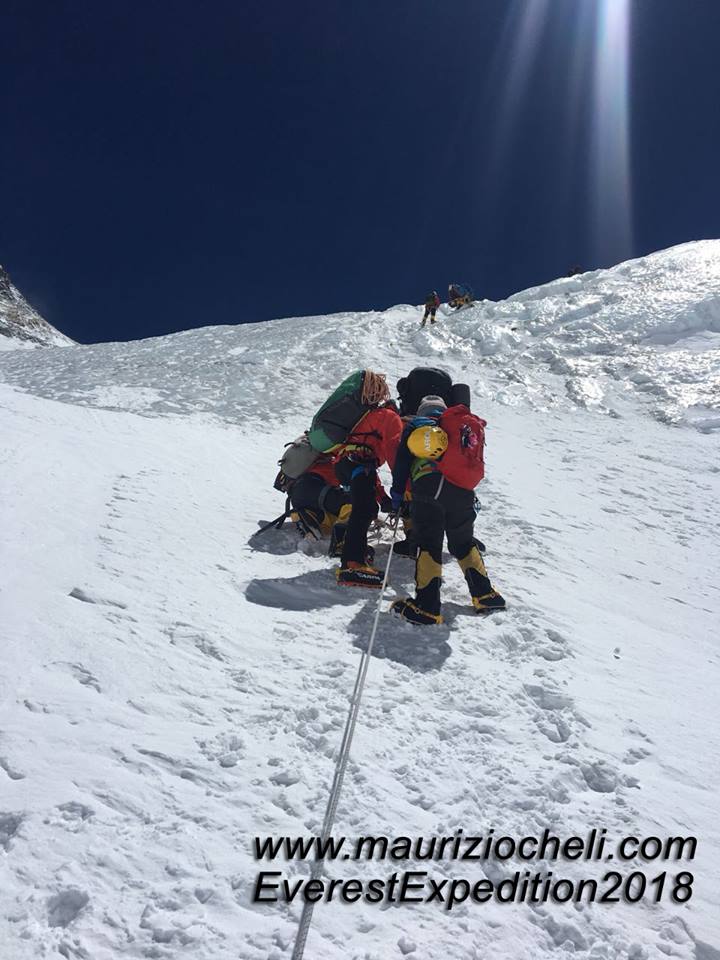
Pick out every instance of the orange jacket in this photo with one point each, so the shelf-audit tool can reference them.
(324, 467)
(379, 430)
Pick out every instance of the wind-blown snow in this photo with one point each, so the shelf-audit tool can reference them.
(174, 685)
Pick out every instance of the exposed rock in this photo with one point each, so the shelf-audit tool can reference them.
(21, 324)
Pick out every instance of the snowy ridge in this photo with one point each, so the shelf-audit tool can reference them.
(175, 685)
(646, 330)
(20, 324)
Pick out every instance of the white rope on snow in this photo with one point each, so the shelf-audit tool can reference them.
(343, 757)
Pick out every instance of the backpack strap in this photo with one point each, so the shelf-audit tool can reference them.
(305, 523)
(323, 495)
(350, 445)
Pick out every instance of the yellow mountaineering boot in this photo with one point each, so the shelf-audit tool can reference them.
(424, 608)
(428, 578)
(307, 523)
(485, 599)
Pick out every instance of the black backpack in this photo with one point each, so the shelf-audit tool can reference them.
(423, 382)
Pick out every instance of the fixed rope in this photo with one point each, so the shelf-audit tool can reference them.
(343, 757)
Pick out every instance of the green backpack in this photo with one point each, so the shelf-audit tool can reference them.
(335, 419)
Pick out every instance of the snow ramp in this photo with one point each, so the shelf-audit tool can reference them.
(174, 686)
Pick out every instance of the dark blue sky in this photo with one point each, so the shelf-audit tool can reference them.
(166, 165)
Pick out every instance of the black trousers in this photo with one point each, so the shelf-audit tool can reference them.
(439, 509)
(312, 492)
(360, 477)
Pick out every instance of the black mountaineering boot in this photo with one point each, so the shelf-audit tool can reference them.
(359, 575)
(337, 536)
(410, 611)
(489, 603)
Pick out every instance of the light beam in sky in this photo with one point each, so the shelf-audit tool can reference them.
(594, 67)
(611, 173)
(511, 74)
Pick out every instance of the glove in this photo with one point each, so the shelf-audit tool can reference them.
(396, 499)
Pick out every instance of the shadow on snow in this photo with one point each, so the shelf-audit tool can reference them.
(309, 591)
(279, 542)
(420, 648)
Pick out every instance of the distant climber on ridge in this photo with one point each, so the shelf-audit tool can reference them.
(459, 295)
(432, 302)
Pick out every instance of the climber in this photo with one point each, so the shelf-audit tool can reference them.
(421, 382)
(459, 295)
(371, 442)
(440, 458)
(432, 302)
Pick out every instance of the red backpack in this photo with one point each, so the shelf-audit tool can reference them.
(462, 463)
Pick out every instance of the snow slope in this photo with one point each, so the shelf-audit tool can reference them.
(20, 324)
(174, 685)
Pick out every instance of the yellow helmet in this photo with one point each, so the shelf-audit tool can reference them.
(428, 442)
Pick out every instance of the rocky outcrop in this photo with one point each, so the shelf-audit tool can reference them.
(21, 324)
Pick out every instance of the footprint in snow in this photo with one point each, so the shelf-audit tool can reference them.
(556, 729)
(332, 669)
(284, 778)
(10, 770)
(161, 761)
(546, 698)
(75, 814)
(599, 776)
(243, 680)
(226, 749)
(77, 593)
(81, 674)
(634, 731)
(552, 653)
(184, 634)
(10, 823)
(65, 906)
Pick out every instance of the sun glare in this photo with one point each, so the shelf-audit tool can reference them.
(612, 213)
(595, 74)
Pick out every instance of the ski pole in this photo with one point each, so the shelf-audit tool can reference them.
(343, 755)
